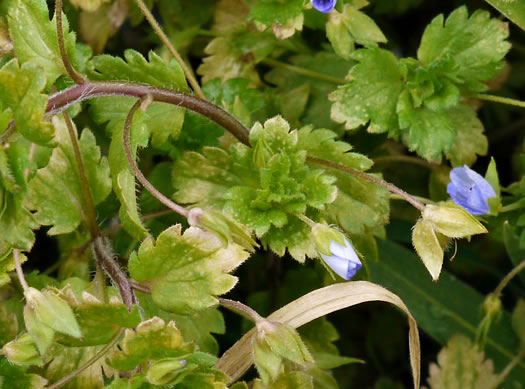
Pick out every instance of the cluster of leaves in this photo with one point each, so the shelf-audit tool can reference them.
(297, 79)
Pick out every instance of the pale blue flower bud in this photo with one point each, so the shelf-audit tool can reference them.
(344, 260)
(470, 190)
(324, 5)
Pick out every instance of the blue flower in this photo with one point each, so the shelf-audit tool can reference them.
(324, 5)
(470, 190)
(344, 260)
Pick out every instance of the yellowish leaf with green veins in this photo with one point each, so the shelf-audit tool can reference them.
(427, 246)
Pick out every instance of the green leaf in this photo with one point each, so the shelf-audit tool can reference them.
(64, 360)
(58, 186)
(199, 326)
(352, 25)
(511, 9)
(284, 17)
(475, 46)
(123, 178)
(518, 320)
(163, 120)
(12, 376)
(138, 381)
(235, 54)
(470, 140)
(371, 94)
(20, 99)
(187, 271)
(462, 365)
(514, 250)
(35, 38)
(444, 308)
(152, 339)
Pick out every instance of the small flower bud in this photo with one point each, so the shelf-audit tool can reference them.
(52, 311)
(324, 6)
(273, 345)
(225, 228)
(22, 351)
(167, 371)
(336, 251)
(492, 306)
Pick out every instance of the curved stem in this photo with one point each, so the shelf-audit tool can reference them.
(58, 102)
(90, 362)
(418, 198)
(512, 364)
(391, 187)
(91, 213)
(158, 30)
(76, 76)
(19, 271)
(244, 310)
(10, 130)
(404, 158)
(136, 171)
(503, 283)
(500, 99)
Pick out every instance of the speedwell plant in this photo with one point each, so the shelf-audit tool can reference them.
(163, 160)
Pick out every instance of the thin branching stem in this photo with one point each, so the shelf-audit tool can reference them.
(58, 102)
(503, 283)
(512, 207)
(89, 207)
(86, 365)
(303, 71)
(391, 187)
(136, 171)
(173, 51)
(76, 76)
(500, 99)
(404, 158)
(19, 271)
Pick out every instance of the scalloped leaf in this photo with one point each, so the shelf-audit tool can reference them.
(58, 186)
(186, 271)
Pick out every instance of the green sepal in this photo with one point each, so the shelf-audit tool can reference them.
(323, 235)
(452, 220)
(428, 247)
(42, 334)
(493, 179)
(53, 311)
(22, 351)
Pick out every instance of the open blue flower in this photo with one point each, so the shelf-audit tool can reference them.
(470, 190)
(324, 5)
(344, 260)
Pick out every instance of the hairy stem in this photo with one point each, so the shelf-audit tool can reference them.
(160, 33)
(86, 365)
(76, 76)
(242, 309)
(503, 283)
(104, 257)
(391, 187)
(89, 207)
(136, 171)
(58, 102)
(500, 99)
(19, 271)
(511, 207)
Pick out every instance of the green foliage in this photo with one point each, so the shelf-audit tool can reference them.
(35, 38)
(185, 271)
(58, 185)
(420, 100)
(284, 17)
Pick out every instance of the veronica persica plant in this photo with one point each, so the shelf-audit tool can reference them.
(470, 190)
(324, 5)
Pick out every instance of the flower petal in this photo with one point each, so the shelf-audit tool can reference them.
(470, 190)
(324, 5)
